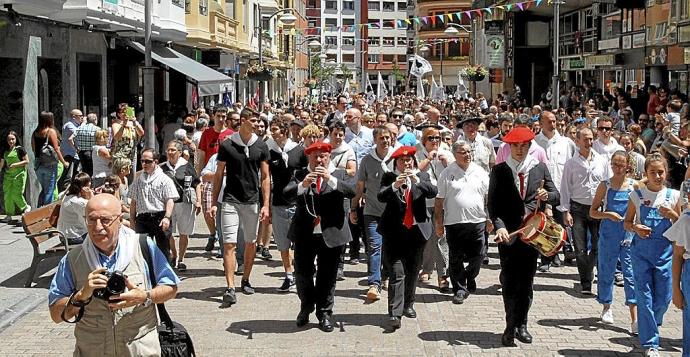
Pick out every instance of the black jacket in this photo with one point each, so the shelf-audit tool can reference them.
(282, 175)
(328, 205)
(391, 223)
(506, 207)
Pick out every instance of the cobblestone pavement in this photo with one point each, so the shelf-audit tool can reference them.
(561, 321)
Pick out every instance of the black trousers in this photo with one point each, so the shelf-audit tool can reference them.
(69, 173)
(465, 244)
(586, 259)
(518, 266)
(402, 261)
(149, 223)
(86, 161)
(317, 296)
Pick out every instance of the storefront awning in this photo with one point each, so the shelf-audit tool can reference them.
(208, 80)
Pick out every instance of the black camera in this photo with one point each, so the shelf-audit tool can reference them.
(116, 285)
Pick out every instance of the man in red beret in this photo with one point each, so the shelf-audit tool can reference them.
(318, 230)
(406, 227)
(508, 205)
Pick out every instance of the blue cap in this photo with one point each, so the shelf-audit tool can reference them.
(580, 120)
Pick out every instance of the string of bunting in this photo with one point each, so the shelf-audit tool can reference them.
(423, 20)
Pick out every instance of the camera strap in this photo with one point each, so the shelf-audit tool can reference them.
(146, 253)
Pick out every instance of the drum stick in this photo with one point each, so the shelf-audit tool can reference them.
(511, 235)
(536, 209)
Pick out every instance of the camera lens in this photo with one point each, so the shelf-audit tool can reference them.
(116, 283)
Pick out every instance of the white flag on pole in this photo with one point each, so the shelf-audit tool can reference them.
(433, 89)
(381, 91)
(461, 92)
(419, 66)
(371, 97)
(420, 88)
(346, 88)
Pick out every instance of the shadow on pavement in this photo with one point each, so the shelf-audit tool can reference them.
(39, 281)
(587, 324)
(555, 275)
(357, 294)
(665, 344)
(573, 352)
(248, 328)
(481, 339)
(570, 291)
(200, 272)
(208, 294)
(432, 298)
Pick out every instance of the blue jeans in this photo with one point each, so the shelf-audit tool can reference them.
(374, 242)
(46, 176)
(685, 287)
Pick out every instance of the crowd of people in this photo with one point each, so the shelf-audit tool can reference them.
(411, 187)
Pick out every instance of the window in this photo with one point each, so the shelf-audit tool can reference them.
(611, 26)
(203, 7)
(348, 41)
(389, 41)
(230, 8)
(402, 58)
(374, 22)
(374, 6)
(388, 24)
(312, 22)
(188, 6)
(348, 57)
(374, 41)
(331, 5)
(312, 4)
(331, 40)
(454, 49)
(388, 58)
(388, 6)
(402, 41)
(660, 31)
(348, 22)
(331, 22)
(178, 3)
(349, 5)
(402, 6)
(373, 58)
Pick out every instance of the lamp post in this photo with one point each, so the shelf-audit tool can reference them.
(555, 92)
(287, 19)
(312, 45)
(149, 71)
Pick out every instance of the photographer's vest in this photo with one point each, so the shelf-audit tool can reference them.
(102, 332)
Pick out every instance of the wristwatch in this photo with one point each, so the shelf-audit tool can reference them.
(148, 300)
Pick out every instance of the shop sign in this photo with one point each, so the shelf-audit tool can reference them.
(601, 60)
(656, 56)
(495, 51)
(495, 75)
(509, 47)
(493, 27)
(638, 40)
(627, 42)
(610, 44)
(573, 63)
(684, 34)
(112, 6)
(686, 55)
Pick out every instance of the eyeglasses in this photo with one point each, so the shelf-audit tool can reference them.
(604, 128)
(145, 161)
(397, 115)
(433, 138)
(105, 221)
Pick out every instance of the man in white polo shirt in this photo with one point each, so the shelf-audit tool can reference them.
(461, 207)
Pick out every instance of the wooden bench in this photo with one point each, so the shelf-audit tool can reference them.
(40, 227)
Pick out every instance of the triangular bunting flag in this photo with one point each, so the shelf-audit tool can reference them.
(426, 20)
(509, 6)
(488, 9)
(459, 15)
(450, 17)
(440, 17)
(433, 20)
(469, 14)
(520, 6)
(419, 22)
(478, 11)
(539, 2)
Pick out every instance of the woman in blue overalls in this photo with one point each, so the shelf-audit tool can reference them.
(651, 211)
(614, 241)
(679, 233)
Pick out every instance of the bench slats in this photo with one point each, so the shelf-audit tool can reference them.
(41, 220)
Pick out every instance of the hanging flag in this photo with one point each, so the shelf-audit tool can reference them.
(419, 66)
(346, 88)
(371, 96)
(226, 97)
(381, 91)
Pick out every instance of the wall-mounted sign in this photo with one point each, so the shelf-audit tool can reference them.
(495, 51)
(638, 40)
(610, 44)
(509, 47)
(626, 42)
(601, 60)
(686, 55)
(495, 75)
(684, 33)
(493, 27)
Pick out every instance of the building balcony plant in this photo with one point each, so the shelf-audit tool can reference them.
(257, 72)
(475, 73)
(310, 83)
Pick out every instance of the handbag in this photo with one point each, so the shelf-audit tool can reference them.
(47, 156)
(174, 339)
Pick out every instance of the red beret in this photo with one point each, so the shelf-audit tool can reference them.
(403, 151)
(318, 146)
(518, 135)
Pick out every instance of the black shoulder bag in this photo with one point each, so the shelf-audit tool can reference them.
(174, 338)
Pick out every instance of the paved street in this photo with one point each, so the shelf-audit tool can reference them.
(562, 322)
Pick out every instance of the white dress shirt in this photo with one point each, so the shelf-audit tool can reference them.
(559, 150)
(464, 194)
(581, 177)
(606, 149)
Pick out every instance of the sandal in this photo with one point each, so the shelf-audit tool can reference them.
(424, 277)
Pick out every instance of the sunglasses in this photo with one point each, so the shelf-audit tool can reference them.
(397, 115)
(604, 128)
(144, 161)
(433, 138)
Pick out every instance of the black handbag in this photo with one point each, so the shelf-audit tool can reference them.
(173, 337)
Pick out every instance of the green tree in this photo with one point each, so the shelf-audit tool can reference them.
(398, 73)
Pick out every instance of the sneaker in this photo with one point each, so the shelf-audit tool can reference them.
(459, 297)
(7, 219)
(618, 279)
(557, 262)
(246, 287)
(354, 261)
(219, 254)
(652, 352)
(229, 297)
(633, 328)
(607, 315)
(288, 284)
(181, 266)
(544, 268)
(259, 250)
(265, 254)
(210, 244)
(240, 270)
(374, 292)
(384, 284)
(340, 274)
(27, 209)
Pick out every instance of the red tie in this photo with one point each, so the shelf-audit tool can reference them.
(318, 184)
(522, 184)
(408, 220)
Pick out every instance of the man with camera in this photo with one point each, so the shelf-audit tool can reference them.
(106, 279)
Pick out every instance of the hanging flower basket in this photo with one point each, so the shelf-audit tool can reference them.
(257, 72)
(474, 73)
(311, 83)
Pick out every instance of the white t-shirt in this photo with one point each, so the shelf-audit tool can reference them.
(464, 193)
(606, 150)
(680, 233)
(653, 199)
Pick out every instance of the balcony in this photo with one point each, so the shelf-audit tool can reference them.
(35, 7)
(223, 31)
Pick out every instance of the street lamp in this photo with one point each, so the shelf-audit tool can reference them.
(287, 19)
